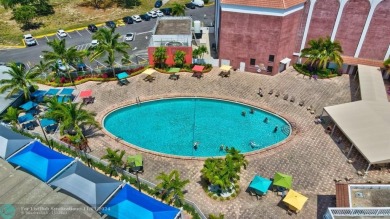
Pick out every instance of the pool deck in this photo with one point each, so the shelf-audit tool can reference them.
(311, 156)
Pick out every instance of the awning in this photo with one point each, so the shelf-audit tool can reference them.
(29, 105)
(225, 67)
(149, 71)
(40, 160)
(294, 200)
(122, 75)
(38, 93)
(52, 92)
(174, 70)
(88, 185)
(25, 118)
(282, 180)
(198, 68)
(85, 93)
(260, 185)
(285, 61)
(66, 92)
(47, 122)
(11, 141)
(371, 84)
(129, 203)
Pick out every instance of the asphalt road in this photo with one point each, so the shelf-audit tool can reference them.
(82, 39)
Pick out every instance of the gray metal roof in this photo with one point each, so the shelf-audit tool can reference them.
(11, 141)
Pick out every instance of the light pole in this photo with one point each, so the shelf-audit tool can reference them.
(43, 131)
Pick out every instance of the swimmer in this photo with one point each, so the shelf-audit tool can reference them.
(243, 113)
(221, 147)
(275, 129)
(266, 120)
(226, 148)
(252, 111)
(196, 145)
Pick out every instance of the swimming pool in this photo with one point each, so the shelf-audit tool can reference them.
(173, 126)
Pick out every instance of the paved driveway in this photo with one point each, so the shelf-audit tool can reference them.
(311, 156)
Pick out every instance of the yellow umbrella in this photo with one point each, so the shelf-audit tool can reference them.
(294, 200)
(225, 67)
(149, 71)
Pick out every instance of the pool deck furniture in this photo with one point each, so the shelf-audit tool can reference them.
(197, 75)
(271, 92)
(149, 78)
(224, 74)
(174, 77)
(198, 71)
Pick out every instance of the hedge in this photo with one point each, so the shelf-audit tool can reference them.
(322, 73)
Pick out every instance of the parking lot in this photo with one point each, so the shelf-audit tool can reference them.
(82, 37)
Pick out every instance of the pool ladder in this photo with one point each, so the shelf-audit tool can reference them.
(137, 100)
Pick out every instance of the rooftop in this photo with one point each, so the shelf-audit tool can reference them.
(276, 4)
(173, 26)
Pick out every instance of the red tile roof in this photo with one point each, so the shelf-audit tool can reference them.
(355, 61)
(342, 195)
(278, 4)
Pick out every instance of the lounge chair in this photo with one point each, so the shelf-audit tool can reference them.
(301, 103)
(260, 92)
(174, 77)
(277, 94)
(309, 107)
(123, 81)
(312, 111)
(198, 75)
(271, 92)
(88, 100)
(285, 97)
(149, 78)
(292, 100)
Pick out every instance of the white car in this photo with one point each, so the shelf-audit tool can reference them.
(29, 40)
(159, 13)
(62, 33)
(136, 18)
(129, 37)
(94, 43)
(60, 65)
(152, 14)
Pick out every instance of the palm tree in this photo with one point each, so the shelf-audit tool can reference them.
(11, 116)
(42, 68)
(203, 50)
(73, 118)
(66, 55)
(108, 45)
(321, 52)
(179, 58)
(114, 159)
(178, 9)
(160, 56)
(239, 159)
(21, 80)
(171, 187)
(220, 216)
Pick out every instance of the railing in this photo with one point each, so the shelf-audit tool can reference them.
(358, 212)
(124, 172)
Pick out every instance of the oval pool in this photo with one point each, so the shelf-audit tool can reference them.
(173, 126)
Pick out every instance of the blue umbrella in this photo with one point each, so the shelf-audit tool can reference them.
(52, 92)
(122, 75)
(47, 122)
(260, 185)
(25, 118)
(66, 92)
(29, 105)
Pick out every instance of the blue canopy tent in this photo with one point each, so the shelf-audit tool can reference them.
(260, 185)
(52, 92)
(11, 141)
(38, 93)
(129, 203)
(66, 92)
(122, 75)
(87, 184)
(47, 122)
(25, 118)
(29, 105)
(40, 160)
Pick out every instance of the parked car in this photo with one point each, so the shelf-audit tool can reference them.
(152, 14)
(198, 3)
(94, 43)
(111, 24)
(81, 67)
(128, 20)
(136, 18)
(166, 11)
(29, 40)
(158, 4)
(62, 33)
(159, 13)
(145, 17)
(129, 37)
(190, 5)
(61, 66)
(92, 27)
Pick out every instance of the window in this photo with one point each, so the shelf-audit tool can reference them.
(269, 68)
(253, 62)
(271, 58)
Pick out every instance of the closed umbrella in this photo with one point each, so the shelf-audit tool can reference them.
(282, 180)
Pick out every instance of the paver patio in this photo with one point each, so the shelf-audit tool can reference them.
(311, 156)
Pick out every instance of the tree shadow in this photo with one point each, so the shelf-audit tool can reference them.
(31, 26)
(323, 203)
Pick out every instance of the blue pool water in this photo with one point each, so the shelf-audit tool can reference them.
(171, 126)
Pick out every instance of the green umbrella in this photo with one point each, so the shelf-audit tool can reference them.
(136, 159)
(282, 180)
(174, 70)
